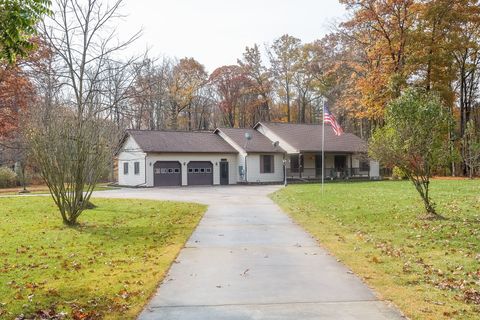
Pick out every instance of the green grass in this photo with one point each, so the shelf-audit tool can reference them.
(43, 189)
(429, 269)
(106, 268)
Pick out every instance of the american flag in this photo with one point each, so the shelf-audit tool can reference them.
(330, 118)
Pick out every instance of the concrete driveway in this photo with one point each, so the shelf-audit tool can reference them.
(248, 260)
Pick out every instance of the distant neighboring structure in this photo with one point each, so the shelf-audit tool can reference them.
(263, 154)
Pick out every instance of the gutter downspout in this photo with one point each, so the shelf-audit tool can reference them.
(246, 170)
(145, 183)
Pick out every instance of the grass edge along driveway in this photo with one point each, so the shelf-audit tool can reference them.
(108, 267)
(429, 269)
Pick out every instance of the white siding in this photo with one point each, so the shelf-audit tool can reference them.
(355, 162)
(253, 168)
(240, 163)
(131, 153)
(253, 164)
(374, 169)
(185, 158)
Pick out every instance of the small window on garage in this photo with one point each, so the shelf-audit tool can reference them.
(170, 170)
(196, 170)
(136, 167)
(190, 170)
(266, 163)
(208, 170)
(158, 171)
(202, 170)
(176, 170)
(125, 168)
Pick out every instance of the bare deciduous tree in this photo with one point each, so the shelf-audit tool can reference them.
(74, 145)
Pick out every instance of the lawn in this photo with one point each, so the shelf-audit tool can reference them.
(43, 189)
(429, 269)
(107, 268)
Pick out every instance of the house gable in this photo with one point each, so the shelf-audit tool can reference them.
(230, 141)
(260, 127)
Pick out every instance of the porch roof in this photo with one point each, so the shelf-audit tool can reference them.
(308, 138)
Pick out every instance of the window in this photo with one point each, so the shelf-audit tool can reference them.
(176, 170)
(364, 165)
(196, 170)
(266, 163)
(125, 168)
(136, 167)
(190, 170)
(202, 170)
(208, 170)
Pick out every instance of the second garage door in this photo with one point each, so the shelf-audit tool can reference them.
(200, 173)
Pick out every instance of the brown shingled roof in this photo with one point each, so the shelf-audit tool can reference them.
(258, 143)
(308, 137)
(180, 141)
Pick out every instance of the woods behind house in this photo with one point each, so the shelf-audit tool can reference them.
(364, 63)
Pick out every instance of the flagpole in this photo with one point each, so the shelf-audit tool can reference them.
(323, 144)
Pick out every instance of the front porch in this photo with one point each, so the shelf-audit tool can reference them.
(338, 166)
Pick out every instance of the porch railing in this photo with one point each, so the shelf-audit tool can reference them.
(330, 173)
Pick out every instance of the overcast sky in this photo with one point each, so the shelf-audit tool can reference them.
(215, 32)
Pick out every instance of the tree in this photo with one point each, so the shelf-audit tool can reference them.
(414, 139)
(188, 77)
(71, 140)
(72, 156)
(471, 145)
(18, 20)
(260, 78)
(231, 85)
(380, 32)
(284, 54)
(16, 95)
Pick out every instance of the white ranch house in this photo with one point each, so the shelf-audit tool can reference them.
(226, 156)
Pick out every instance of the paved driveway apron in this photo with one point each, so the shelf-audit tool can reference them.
(248, 260)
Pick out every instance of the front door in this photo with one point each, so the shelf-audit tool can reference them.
(318, 165)
(340, 165)
(224, 172)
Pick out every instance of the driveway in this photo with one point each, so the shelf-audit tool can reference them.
(248, 260)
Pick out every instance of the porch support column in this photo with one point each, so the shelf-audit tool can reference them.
(300, 166)
(350, 172)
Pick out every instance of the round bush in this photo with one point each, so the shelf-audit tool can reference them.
(8, 178)
(398, 174)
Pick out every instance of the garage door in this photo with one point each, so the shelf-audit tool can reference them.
(200, 173)
(167, 173)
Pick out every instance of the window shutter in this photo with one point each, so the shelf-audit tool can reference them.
(272, 164)
(262, 163)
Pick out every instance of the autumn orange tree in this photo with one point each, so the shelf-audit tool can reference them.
(188, 77)
(260, 80)
(231, 85)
